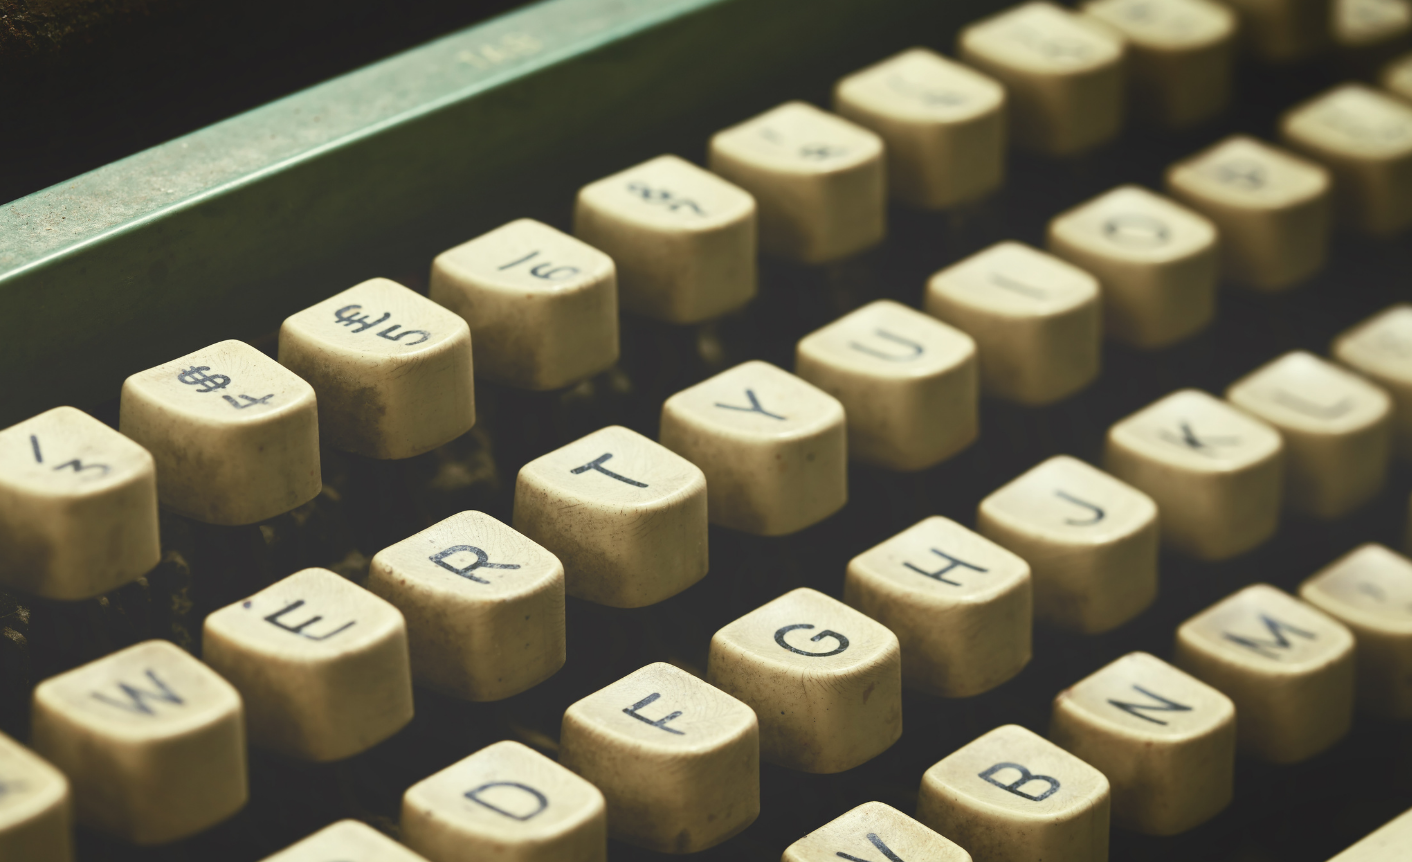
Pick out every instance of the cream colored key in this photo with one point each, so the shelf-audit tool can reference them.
(346, 841)
(1369, 590)
(1287, 666)
(1336, 429)
(1034, 317)
(1388, 843)
(1270, 206)
(1012, 796)
(484, 606)
(36, 811)
(235, 435)
(391, 369)
(1166, 741)
(505, 802)
(1380, 348)
(1215, 473)
(771, 445)
(1091, 542)
(1364, 138)
(78, 507)
(1063, 74)
(1397, 77)
(625, 516)
(1367, 24)
(152, 740)
(825, 680)
(320, 662)
(907, 382)
(960, 605)
(874, 831)
(683, 239)
(542, 306)
(1283, 31)
(678, 761)
(818, 178)
(1179, 57)
(943, 125)
(1158, 263)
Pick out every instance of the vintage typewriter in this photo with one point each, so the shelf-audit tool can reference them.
(953, 203)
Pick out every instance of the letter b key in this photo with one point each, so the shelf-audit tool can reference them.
(1013, 795)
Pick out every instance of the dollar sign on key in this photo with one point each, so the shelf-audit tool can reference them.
(197, 376)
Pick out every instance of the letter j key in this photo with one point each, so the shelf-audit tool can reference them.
(1013, 796)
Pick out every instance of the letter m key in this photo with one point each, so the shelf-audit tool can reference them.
(1277, 641)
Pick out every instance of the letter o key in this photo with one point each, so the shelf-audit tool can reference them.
(842, 641)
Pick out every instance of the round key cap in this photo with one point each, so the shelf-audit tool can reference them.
(36, 811)
(234, 434)
(542, 305)
(1063, 75)
(391, 369)
(78, 507)
(1364, 138)
(152, 740)
(943, 124)
(818, 179)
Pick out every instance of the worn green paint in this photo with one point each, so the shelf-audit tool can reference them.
(224, 232)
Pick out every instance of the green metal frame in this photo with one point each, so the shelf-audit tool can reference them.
(224, 232)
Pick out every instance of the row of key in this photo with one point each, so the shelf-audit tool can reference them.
(152, 741)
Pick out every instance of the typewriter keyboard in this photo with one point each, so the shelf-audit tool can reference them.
(998, 453)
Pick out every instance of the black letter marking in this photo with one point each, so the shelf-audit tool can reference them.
(1025, 778)
(664, 197)
(952, 563)
(137, 698)
(1163, 705)
(597, 464)
(539, 799)
(842, 641)
(914, 347)
(482, 562)
(196, 376)
(1277, 629)
(273, 619)
(1098, 513)
(1246, 174)
(346, 317)
(753, 408)
(661, 723)
(78, 466)
(877, 842)
(249, 401)
(398, 337)
(518, 262)
(34, 443)
(1197, 444)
